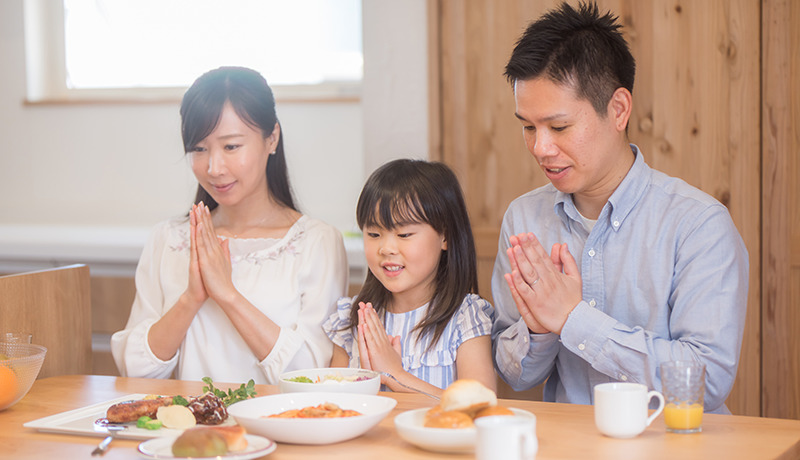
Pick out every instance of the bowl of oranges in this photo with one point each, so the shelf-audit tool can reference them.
(19, 366)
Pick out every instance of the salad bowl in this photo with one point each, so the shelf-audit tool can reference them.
(331, 380)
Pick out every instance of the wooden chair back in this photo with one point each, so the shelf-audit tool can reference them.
(55, 306)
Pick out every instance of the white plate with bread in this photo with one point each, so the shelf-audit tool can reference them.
(449, 426)
(242, 447)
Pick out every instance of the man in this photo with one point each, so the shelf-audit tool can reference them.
(643, 268)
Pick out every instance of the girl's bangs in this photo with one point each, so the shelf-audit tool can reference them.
(391, 212)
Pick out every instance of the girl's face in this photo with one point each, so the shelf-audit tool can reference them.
(405, 260)
(231, 162)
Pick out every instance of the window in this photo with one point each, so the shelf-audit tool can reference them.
(99, 49)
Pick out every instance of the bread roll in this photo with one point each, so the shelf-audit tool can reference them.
(467, 395)
(234, 436)
(448, 419)
(494, 410)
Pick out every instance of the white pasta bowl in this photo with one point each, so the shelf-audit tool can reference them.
(331, 380)
(253, 415)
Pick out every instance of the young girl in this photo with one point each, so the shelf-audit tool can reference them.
(418, 316)
(239, 289)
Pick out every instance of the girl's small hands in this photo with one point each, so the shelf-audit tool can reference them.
(384, 350)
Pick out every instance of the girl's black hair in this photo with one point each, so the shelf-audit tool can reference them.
(414, 191)
(252, 99)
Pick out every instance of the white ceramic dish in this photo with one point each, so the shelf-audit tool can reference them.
(252, 415)
(331, 380)
(82, 422)
(162, 448)
(411, 428)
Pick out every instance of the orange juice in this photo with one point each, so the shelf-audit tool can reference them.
(684, 416)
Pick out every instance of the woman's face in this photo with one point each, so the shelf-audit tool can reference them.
(230, 163)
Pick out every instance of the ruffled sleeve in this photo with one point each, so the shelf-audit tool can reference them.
(337, 327)
(474, 318)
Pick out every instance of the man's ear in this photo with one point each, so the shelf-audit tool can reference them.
(620, 107)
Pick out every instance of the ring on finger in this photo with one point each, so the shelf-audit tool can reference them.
(535, 281)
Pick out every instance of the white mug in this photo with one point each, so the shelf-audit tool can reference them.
(620, 409)
(510, 437)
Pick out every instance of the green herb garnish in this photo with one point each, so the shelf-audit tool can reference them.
(232, 396)
(301, 379)
(179, 400)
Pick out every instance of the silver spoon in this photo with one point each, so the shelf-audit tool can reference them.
(408, 387)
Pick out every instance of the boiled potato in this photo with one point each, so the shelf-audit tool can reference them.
(176, 416)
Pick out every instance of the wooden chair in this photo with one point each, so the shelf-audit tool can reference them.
(54, 305)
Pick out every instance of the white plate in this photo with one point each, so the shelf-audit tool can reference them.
(252, 415)
(411, 428)
(82, 421)
(257, 446)
(370, 386)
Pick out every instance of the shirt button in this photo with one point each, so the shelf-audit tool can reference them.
(623, 377)
(616, 224)
(591, 252)
(592, 303)
(581, 347)
(516, 365)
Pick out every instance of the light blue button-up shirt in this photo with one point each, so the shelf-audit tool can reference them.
(665, 276)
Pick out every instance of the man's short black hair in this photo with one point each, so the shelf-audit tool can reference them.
(578, 47)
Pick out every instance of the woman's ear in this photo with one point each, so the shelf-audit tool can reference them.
(273, 138)
(620, 107)
(444, 243)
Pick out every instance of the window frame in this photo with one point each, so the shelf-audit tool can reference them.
(46, 71)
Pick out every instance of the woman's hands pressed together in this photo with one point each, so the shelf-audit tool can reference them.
(211, 258)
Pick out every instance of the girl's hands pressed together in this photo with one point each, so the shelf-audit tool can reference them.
(378, 350)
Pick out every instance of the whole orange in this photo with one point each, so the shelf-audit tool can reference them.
(8, 386)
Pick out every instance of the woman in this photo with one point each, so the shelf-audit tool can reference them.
(239, 288)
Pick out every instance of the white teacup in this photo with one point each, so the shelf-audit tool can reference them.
(509, 437)
(620, 409)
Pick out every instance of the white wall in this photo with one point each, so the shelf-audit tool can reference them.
(122, 165)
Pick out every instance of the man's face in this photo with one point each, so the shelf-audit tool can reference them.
(579, 151)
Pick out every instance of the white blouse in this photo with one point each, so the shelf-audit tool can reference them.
(294, 280)
(436, 366)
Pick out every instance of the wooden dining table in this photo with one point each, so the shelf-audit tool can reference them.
(564, 431)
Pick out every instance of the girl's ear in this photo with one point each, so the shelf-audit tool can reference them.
(444, 243)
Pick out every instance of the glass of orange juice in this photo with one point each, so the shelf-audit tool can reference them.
(683, 384)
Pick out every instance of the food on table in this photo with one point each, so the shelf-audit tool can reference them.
(130, 411)
(467, 395)
(494, 410)
(209, 441)
(462, 402)
(324, 410)
(148, 423)
(330, 378)
(438, 418)
(8, 385)
(176, 416)
(207, 409)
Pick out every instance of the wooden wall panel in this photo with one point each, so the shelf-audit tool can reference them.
(781, 216)
(696, 116)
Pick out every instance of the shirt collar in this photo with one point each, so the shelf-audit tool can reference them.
(621, 202)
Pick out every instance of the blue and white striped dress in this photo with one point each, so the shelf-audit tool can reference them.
(436, 366)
